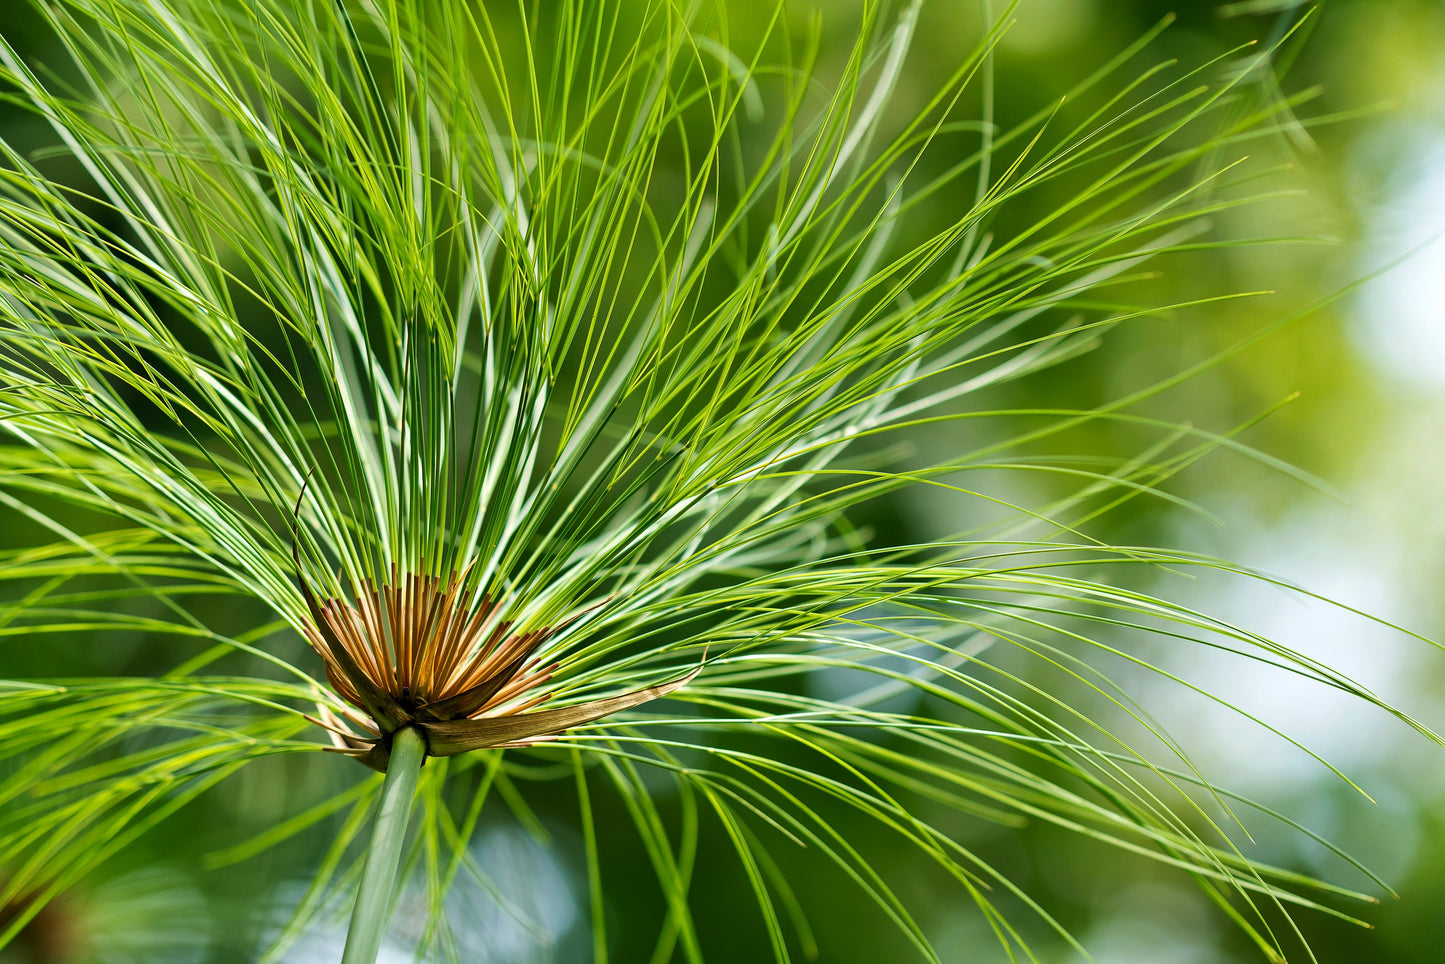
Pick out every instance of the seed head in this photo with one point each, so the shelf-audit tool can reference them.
(416, 652)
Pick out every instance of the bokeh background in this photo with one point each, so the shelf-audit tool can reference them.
(1364, 372)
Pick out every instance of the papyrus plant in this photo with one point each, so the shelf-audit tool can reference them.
(530, 364)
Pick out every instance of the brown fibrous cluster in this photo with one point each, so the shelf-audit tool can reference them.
(437, 650)
(434, 655)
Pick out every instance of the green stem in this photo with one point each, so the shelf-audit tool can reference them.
(388, 832)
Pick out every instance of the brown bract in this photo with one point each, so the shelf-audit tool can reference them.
(420, 653)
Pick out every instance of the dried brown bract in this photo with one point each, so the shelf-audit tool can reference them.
(431, 655)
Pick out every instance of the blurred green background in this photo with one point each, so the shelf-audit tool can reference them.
(1369, 420)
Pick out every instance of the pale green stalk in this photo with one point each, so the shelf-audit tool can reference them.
(388, 833)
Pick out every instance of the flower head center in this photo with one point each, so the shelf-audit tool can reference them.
(437, 650)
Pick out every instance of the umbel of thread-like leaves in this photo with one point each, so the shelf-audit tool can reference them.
(414, 652)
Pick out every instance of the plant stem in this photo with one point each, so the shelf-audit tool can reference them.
(388, 832)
